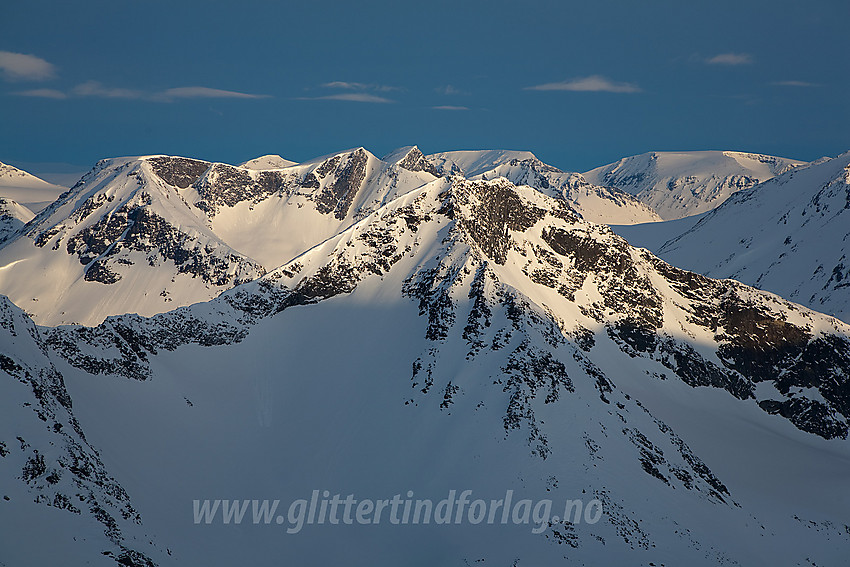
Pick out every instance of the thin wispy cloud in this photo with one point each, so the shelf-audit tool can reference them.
(42, 93)
(794, 84)
(359, 86)
(352, 97)
(204, 92)
(730, 59)
(450, 107)
(593, 83)
(449, 90)
(95, 89)
(23, 67)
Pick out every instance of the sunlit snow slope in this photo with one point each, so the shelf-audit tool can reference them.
(147, 234)
(679, 184)
(27, 189)
(788, 235)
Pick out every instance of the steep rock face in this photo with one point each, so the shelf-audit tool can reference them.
(332, 185)
(166, 231)
(338, 194)
(411, 158)
(227, 186)
(177, 171)
(47, 464)
(680, 184)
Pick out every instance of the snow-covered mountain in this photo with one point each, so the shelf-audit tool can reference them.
(149, 234)
(271, 161)
(475, 334)
(595, 203)
(12, 217)
(788, 235)
(122, 240)
(680, 184)
(164, 231)
(606, 205)
(27, 189)
(475, 162)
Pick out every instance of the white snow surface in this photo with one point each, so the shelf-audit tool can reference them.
(475, 162)
(680, 184)
(788, 235)
(27, 189)
(271, 161)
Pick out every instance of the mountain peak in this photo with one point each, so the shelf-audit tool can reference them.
(411, 158)
(270, 161)
(787, 235)
(529, 348)
(680, 184)
(474, 162)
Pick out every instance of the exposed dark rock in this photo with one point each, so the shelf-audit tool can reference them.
(135, 228)
(225, 185)
(61, 469)
(495, 209)
(349, 173)
(177, 171)
(416, 161)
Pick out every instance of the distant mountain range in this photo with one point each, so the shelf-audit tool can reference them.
(166, 231)
(417, 325)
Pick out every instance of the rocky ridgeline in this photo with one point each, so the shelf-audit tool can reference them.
(46, 451)
(498, 229)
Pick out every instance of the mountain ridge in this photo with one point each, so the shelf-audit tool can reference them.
(680, 184)
(477, 333)
(26, 189)
(785, 235)
(152, 222)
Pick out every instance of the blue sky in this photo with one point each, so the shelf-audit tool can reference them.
(578, 83)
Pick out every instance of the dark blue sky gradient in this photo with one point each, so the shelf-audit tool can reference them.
(488, 52)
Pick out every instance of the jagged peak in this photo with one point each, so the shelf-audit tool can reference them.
(340, 154)
(411, 158)
(399, 154)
